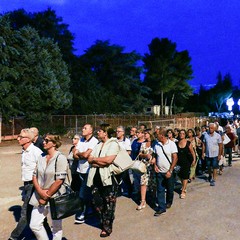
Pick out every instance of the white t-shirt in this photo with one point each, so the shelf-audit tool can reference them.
(83, 146)
(125, 144)
(169, 147)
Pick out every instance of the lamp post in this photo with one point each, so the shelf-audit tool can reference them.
(238, 104)
(230, 103)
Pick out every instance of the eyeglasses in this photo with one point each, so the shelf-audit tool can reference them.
(21, 137)
(47, 140)
(119, 131)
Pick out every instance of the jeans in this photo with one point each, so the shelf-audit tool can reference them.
(163, 184)
(229, 152)
(36, 224)
(84, 191)
(23, 221)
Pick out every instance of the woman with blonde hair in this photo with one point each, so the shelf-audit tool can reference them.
(48, 178)
(145, 155)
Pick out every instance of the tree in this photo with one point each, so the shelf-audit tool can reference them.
(166, 71)
(110, 79)
(48, 25)
(33, 76)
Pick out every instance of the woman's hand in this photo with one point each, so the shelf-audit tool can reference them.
(42, 201)
(193, 163)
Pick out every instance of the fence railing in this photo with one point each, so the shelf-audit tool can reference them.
(73, 123)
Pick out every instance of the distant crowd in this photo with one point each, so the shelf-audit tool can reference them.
(169, 156)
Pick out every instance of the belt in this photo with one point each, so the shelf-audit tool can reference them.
(27, 183)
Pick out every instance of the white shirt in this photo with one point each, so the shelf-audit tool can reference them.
(83, 146)
(212, 144)
(169, 147)
(29, 160)
(125, 144)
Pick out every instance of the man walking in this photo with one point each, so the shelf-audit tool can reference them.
(165, 160)
(30, 154)
(212, 151)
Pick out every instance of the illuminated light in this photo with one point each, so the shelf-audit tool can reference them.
(230, 103)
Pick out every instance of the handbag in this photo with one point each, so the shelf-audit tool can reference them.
(66, 204)
(122, 162)
(139, 166)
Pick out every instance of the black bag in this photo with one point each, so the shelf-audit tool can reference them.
(66, 204)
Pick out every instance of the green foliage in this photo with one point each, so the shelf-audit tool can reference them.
(110, 79)
(33, 77)
(167, 71)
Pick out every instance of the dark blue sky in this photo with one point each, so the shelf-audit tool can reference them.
(208, 29)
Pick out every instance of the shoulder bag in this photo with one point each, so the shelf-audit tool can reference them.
(122, 162)
(177, 167)
(139, 166)
(66, 204)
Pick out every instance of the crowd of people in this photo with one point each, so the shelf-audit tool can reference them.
(170, 155)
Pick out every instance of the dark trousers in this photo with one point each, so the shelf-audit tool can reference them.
(229, 152)
(164, 185)
(25, 212)
(104, 201)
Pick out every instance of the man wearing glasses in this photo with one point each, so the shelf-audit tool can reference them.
(30, 154)
(125, 143)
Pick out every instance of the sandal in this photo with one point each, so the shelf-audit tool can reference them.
(104, 234)
(142, 205)
(183, 194)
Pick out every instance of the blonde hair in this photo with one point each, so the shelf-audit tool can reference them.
(28, 133)
(55, 139)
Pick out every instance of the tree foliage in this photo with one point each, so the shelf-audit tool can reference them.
(34, 79)
(167, 71)
(110, 79)
(48, 25)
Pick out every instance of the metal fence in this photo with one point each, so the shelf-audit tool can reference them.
(72, 124)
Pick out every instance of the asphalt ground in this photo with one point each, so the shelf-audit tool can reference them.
(207, 213)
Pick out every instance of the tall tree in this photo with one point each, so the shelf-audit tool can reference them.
(112, 78)
(167, 72)
(31, 70)
(48, 25)
(221, 91)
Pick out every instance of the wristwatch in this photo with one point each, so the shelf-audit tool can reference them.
(170, 171)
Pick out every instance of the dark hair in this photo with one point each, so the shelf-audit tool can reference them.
(108, 129)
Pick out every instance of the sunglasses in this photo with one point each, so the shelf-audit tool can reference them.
(21, 137)
(47, 140)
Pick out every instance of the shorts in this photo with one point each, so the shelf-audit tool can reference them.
(212, 162)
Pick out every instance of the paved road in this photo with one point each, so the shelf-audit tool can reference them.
(207, 213)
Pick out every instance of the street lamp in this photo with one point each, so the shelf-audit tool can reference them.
(230, 103)
(238, 104)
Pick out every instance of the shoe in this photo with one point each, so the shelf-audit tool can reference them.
(212, 183)
(104, 234)
(80, 219)
(168, 205)
(182, 195)
(229, 165)
(160, 212)
(142, 205)
(210, 178)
